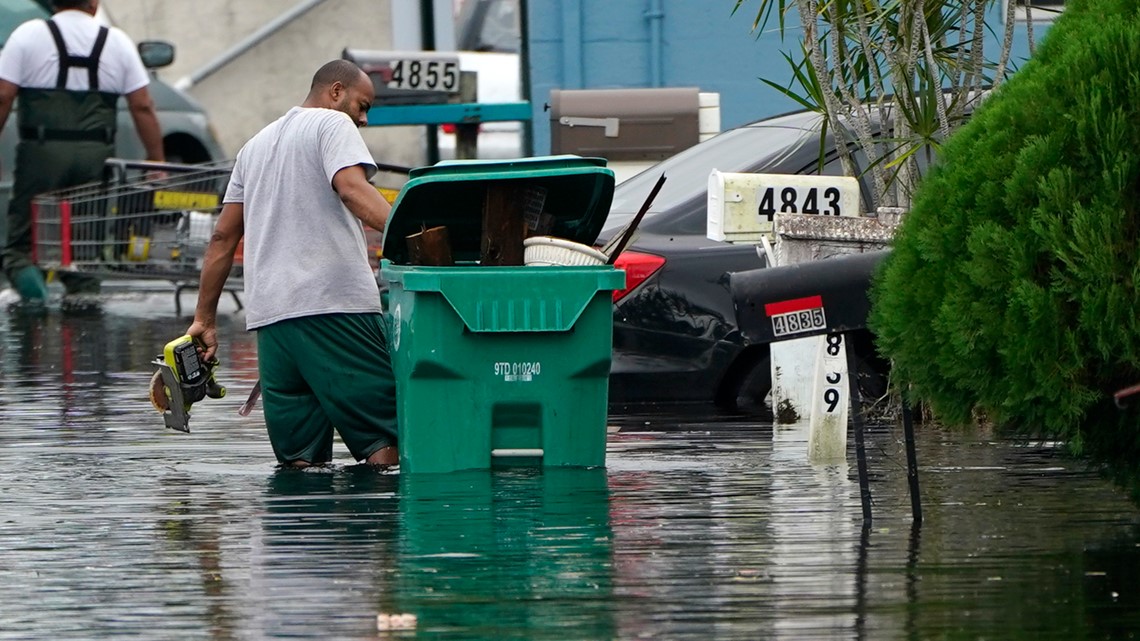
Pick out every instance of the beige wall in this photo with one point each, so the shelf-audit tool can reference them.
(265, 81)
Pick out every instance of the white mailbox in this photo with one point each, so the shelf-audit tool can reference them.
(741, 206)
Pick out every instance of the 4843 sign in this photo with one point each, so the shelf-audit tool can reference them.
(818, 195)
(800, 201)
(743, 207)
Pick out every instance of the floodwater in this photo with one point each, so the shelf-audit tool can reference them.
(699, 527)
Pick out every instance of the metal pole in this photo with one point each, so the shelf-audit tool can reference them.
(912, 579)
(857, 419)
(524, 75)
(911, 464)
(467, 133)
(655, 15)
(861, 581)
(427, 41)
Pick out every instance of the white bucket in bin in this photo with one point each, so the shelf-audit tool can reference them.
(559, 252)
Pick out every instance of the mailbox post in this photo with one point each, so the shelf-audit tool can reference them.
(743, 208)
(821, 298)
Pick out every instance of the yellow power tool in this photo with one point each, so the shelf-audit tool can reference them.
(182, 379)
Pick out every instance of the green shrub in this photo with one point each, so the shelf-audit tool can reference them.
(1014, 285)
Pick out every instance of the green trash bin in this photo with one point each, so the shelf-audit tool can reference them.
(500, 365)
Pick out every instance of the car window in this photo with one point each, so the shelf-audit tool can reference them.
(745, 149)
(14, 13)
(833, 166)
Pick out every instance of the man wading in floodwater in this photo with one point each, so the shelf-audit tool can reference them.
(299, 193)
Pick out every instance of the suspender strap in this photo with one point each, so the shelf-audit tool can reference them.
(93, 59)
(66, 62)
(64, 59)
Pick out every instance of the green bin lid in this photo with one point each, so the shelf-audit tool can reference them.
(451, 193)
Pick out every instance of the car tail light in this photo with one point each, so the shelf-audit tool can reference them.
(449, 128)
(638, 267)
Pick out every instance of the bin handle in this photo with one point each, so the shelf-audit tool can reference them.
(504, 452)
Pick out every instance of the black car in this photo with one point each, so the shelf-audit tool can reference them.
(675, 334)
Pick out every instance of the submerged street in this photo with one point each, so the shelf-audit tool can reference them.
(699, 527)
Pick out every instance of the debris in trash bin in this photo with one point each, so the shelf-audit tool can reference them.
(618, 243)
(543, 225)
(395, 622)
(533, 199)
(430, 247)
(504, 227)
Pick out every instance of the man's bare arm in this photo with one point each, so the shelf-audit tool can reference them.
(146, 122)
(215, 270)
(8, 91)
(361, 198)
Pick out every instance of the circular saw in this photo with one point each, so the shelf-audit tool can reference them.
(158, 396)
(182, 379)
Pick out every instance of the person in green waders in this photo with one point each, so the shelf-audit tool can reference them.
(68, 73)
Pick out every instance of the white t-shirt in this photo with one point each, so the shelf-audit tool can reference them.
(30, 58)
(305, 253)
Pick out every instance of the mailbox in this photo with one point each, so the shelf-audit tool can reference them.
(624, 124)
(805, 299)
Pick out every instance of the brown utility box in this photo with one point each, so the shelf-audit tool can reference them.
(624, 124)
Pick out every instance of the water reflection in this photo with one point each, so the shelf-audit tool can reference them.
(187, 532)
(775, 549)
(325, 549)
(508, 555)
(87, 372)
(816, 518)
(504, 555)
(700, 527)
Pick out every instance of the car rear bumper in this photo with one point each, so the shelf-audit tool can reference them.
(639, 377)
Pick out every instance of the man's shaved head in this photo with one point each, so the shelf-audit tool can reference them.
(342, 86)
(342, 71)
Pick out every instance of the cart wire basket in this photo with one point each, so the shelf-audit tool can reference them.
(144, 220)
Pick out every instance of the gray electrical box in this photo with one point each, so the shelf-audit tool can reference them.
(624, 124)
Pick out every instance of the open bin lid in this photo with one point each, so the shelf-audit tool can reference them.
(451, 193)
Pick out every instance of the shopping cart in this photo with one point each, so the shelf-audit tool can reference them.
(144, 220)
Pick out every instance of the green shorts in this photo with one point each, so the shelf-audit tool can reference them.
(324, 372)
